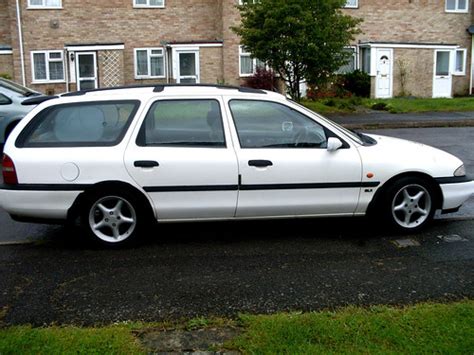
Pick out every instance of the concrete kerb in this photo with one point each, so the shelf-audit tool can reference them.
(404, 120)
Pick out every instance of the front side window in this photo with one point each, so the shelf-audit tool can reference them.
(149, 63)
(79, 124)
(41, 4)
(149, 3)
(48, 66)
(457, 6)
(183, 123)
(352, 4)
(248, 65)
(264, 124)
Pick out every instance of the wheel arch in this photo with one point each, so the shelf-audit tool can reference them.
(75, 210)
(379, 194)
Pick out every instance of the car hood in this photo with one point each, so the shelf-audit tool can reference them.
(402, 155)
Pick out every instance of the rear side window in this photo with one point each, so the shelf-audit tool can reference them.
(92, 124)
(183, 123)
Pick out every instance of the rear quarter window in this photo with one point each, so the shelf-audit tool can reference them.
(95, 124)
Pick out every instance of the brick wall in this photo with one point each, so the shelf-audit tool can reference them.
(211, 65)
(5, 38)
(6, 65)
(418, 67)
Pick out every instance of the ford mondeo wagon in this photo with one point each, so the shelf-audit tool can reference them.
(115, 159)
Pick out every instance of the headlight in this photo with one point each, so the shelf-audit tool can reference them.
(461, 171)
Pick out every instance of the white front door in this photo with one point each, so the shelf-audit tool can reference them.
(384, 73)
(442, 83)
(188, 67)
(285, 168)
(183, 160)
(86, 69)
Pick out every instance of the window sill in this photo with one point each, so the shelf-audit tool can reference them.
(246, 75)
(459, 74)
(148, 7)
(351, 7)
(48, 82)
(149, 77)
(457, 11)
(44, 8)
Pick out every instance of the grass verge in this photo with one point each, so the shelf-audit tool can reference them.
(396, 105)
(423, 328)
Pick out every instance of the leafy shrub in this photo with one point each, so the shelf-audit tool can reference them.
(263, 79)
(380, 106)
(357, 82)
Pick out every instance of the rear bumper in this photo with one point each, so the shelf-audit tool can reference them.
(456, 193)
(51, 205)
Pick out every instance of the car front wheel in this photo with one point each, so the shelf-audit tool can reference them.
(410, 204)
(112, 219)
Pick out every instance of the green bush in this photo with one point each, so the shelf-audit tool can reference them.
(358, 83)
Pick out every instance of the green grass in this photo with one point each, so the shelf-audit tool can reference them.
(117, 339)
(396, 105)
(424, 328)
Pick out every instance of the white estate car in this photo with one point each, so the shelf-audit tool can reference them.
(116, 158)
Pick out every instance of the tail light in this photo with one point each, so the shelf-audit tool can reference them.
(9, 172)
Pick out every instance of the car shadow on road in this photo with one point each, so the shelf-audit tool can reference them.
(353, 231)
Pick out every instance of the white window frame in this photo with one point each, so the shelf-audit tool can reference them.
(464, 58)
(241, 2)
(254, 63)
(44, 7)
(456, 10)
(149, 55)
(348, 6)
(148, 6)
(48, 60)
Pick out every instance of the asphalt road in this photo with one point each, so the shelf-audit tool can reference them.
(188, 270)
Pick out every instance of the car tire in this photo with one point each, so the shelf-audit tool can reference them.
(112, 219)
(409, 204)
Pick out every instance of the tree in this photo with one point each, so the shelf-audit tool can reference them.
(299, 39)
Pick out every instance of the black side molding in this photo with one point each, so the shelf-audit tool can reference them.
(453, 179)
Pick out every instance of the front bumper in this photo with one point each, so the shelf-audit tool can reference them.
(456, 193)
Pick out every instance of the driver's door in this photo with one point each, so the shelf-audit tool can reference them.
(285, 168)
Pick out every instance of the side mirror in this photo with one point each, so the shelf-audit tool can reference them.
(334, 144)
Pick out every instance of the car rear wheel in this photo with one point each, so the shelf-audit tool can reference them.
(410, 204)
(112, 219)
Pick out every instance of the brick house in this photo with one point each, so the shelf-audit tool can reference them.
(419, 47)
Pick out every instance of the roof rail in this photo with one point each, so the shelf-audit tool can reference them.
(161, 87)
(37, 100)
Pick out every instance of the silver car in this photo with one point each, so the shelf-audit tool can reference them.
(11, 109)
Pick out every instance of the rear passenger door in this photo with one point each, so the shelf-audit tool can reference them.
(183, 159)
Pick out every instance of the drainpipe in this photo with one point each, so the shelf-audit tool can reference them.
(20, 40)
(472, 65)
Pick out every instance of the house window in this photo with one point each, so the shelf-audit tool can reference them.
(352, 4)
(248, 65)
(365, 60)
(48, 66)
(457, 5)
(241, 2)
(149, 63)
(148, 3)
(351, 64)
(44, 4)
(460, 62)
